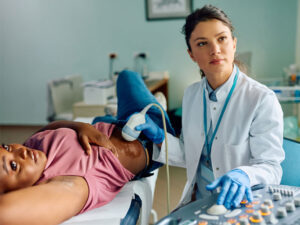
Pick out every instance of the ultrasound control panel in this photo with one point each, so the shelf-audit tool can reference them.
(272, 204)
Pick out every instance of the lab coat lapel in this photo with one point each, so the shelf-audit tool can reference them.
(194, 128)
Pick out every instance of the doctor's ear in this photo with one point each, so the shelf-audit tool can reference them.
(191, 55)
(234, 43)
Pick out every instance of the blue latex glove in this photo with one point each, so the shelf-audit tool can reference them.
(234, 185)
(153, 132)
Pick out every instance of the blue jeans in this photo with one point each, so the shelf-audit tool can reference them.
(133, 96)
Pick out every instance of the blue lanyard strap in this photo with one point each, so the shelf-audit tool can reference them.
(209, 143)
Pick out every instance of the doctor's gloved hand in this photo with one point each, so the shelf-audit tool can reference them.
(234, 185)
(152, 131)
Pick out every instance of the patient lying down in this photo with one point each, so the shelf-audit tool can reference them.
(50, 178)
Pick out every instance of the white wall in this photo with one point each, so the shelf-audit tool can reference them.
(41, 40)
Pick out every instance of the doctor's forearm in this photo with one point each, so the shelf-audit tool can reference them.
(176, 155)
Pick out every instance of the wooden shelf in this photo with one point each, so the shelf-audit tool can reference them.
(158, 85)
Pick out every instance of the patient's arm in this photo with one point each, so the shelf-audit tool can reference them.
(86, 134)
(49, 203)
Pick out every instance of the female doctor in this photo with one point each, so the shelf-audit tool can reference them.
(232, 126)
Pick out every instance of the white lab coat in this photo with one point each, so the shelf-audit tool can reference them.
(249, 137)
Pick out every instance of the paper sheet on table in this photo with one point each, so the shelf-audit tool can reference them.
(111, 213)
(84, 119)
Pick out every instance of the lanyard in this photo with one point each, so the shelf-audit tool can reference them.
(209, 144)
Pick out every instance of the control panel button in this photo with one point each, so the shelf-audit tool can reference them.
(249, 211)
(233, 213)
(208, 217)
(244, 221)
(231, 221)
(243, 216)
(203, 223)
(281, 212)
(197, 212)
(256, 218)
(264, 210)
(249, 205)
(297, 201)
(276, 196)
(188, 222)
(290, 207)
(269, 203)
(256, 202)
(244, 202)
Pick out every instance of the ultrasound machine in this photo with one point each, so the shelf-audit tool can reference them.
(272, 204)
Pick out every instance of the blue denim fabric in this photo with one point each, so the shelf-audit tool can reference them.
(133, 96)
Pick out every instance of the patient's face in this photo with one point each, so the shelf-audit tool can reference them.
(20, 166)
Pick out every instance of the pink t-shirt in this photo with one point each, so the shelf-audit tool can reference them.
(102, 171)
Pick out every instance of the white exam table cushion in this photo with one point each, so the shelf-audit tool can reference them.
(110, 213)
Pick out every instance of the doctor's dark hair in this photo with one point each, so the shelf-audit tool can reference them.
(206, 13)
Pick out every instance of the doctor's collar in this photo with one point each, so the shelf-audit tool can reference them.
(224, 88)
(212, 94)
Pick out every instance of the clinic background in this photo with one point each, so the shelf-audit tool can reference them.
(50, 39)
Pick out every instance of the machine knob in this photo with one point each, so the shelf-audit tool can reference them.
(283, 192)
(265, 210)
(281, 212)
(244, 221)
(268, 202)
(276, 196)
(287, 192)
(271, 190)
(290, 207)
(297, 202)
(256, 218)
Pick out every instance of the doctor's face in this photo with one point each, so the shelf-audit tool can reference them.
(20, 166)
(213, 47)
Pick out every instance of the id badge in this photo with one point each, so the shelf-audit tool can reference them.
(206, 173)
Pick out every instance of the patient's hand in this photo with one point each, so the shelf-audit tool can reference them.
(87, 134)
